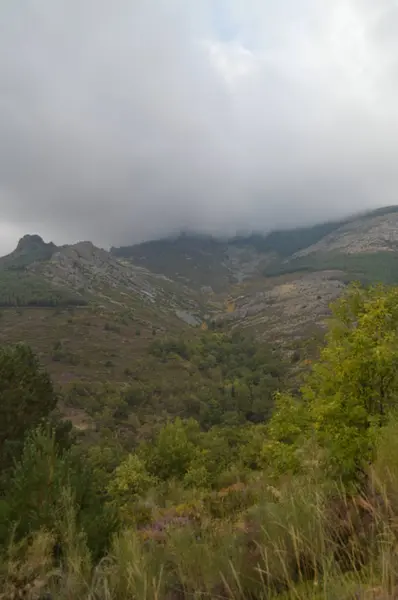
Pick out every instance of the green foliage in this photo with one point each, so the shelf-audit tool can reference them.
(129, 484)
(35, 490)
(26, 394)
(365, 267)
(131, 479)
(350, 390)
(286, 433)
(303, 504)
(21, 288)
(197, 258)
(232, 378)
(354, 384)
(173, 450)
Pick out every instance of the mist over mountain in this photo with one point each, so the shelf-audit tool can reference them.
(125, 122)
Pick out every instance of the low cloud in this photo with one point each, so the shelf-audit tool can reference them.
(123, 121)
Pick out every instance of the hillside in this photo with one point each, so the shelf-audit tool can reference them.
(278, 285)
(180, 413)
(199, 261)
(94, 315)
(243, 499)
(90, 317)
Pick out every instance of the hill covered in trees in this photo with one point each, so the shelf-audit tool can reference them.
(287, 495)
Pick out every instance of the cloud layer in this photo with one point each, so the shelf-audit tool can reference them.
(122, 121)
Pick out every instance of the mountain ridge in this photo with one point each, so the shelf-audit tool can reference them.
(273, 283)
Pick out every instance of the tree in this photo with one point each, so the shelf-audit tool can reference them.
(350, 390)
(34, 496)
(174, 449)
(26, 394)
(130, 482)
(354, 384)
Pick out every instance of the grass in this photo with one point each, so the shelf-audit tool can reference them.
(302, 537)
(303, 543)
(93, 334)
(110, 377)
(89, 346)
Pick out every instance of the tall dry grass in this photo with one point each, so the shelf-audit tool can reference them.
(306, 539)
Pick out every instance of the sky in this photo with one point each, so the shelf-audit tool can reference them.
(128, 120)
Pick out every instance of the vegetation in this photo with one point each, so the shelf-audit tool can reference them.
(299, 505)
(26, 396)
(287, 242)
(217, 379)
(21, 288)
(367, 268)
(176, 256)
(200, 259)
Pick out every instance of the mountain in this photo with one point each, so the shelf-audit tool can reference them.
(279, 284)
(198, 261)
(86, 274)
(106, 324)
(30, 249)
(97, 304)
(88, 315)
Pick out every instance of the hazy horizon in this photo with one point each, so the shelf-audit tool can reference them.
(123, 122)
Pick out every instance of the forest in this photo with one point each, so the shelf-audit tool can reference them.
(254, 479)
(215, 378)
(21, 288)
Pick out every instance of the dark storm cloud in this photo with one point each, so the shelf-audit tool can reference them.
(122, 120)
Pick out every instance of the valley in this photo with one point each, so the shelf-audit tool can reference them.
(93, 316)
(184, 383)
(103, 309)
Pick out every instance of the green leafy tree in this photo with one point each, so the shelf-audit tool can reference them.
(33, 498)
(350, 390)
(287, 429)
(174, 449)
(130, 482)
(36, 483)
(355, 383)
(26, 394)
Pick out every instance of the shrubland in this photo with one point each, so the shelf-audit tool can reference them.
(251, 489)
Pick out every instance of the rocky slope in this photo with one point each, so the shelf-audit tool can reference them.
(95, 276)
(278, 285)
(367, 235)
(285, 309)
(201, 262)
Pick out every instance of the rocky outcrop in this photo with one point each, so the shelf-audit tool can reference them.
(286, 309)
(90, 270)
(377, 234)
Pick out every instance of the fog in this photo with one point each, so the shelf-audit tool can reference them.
(124, 121)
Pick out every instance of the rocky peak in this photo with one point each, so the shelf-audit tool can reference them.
(30, 249)
(32, 242)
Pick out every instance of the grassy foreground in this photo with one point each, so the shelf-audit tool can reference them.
(300, 541)
(302, 506)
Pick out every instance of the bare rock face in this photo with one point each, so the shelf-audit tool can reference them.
(193, 276)
(286, 309)
(377, 234)
(87, 269)
(30, 249)
(30, 242)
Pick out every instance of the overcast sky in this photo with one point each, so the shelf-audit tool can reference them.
(123, 120)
